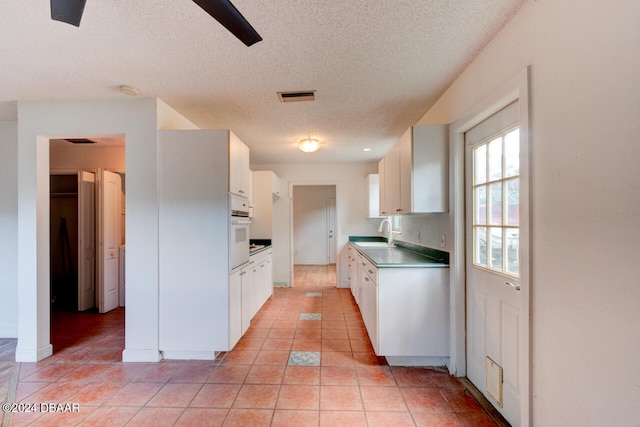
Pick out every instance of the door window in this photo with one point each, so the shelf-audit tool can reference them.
(496, 196)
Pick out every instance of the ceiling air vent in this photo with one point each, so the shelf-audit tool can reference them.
(80, 141)
(306, 95)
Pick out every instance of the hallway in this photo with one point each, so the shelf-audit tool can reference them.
(305, 361)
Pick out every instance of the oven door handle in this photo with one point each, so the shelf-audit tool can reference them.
(240, 221)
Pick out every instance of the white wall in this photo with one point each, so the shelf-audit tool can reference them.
(169, 119)
(585, 199)
(9, 229)
(425, 230)
(310, 223)
(138, 120)
(349, 179)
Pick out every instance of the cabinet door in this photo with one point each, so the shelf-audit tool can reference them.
(239, 173)
(245, 171)
(260, 285)
(248, 305)
(392, 181)
(430, 168)
(382, 200)
(353, 271)
(276, 185)
(371, 321)
(235, 308)
(405, 159)
(268, 277)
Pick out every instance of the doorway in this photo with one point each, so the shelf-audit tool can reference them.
(314, 234)
(86, 228)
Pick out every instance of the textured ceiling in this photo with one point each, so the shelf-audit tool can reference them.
(377, 66)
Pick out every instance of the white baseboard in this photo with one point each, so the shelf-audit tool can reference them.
(188, 355)
(417, 360)
(32, 354)
(129, 355)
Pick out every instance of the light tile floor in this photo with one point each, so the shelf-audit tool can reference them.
(255, 384)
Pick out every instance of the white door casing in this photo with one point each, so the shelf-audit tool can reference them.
(109, 216)
(86, 240)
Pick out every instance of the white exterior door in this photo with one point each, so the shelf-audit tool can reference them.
(109, 240)
(494, 200)
(86, 240)
(331, 227)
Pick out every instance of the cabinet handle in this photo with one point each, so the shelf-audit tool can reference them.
(363, 264)
(366, 278)
(370, 272)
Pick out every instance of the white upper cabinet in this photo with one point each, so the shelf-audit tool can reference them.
(390, 186)
(276, 185)
(382, 177)
(414, 175)
(372, 195)
(239, 172)
(267, 188)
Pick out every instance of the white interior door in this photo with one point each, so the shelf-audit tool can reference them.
(493, 199)
(109, 216)
(331, 227)
(86, 241)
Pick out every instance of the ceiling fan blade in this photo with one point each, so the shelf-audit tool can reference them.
(226, 13)
(69, 11)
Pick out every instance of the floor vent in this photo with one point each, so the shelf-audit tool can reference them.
(306, 95)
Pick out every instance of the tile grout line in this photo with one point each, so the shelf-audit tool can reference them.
(11, 393)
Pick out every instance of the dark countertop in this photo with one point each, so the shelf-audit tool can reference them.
(258, 245)
(402, 254)
(256, 249)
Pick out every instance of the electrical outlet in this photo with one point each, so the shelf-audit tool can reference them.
(443, 243)
(418, 236)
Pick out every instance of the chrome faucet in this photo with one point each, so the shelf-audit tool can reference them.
(391, 231)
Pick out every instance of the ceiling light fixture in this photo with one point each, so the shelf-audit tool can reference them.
(129, 90)
(308, 145)
(366, 149)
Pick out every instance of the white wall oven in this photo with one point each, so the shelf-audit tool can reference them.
(239, 231)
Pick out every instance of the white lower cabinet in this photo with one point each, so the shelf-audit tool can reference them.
(369, 300)
(353, 269)
(263, 278)
(248, 297)
(405, 311)
(249, 288)
(413, 315)
(235, 308)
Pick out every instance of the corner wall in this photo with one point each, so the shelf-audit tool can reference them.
(38, 121)
(9, 230)
(585, 199)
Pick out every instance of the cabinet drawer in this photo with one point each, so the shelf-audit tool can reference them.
(369, 269)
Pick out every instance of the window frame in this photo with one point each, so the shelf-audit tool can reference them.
(504, 225)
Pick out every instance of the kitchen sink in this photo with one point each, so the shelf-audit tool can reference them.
(373, 244)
